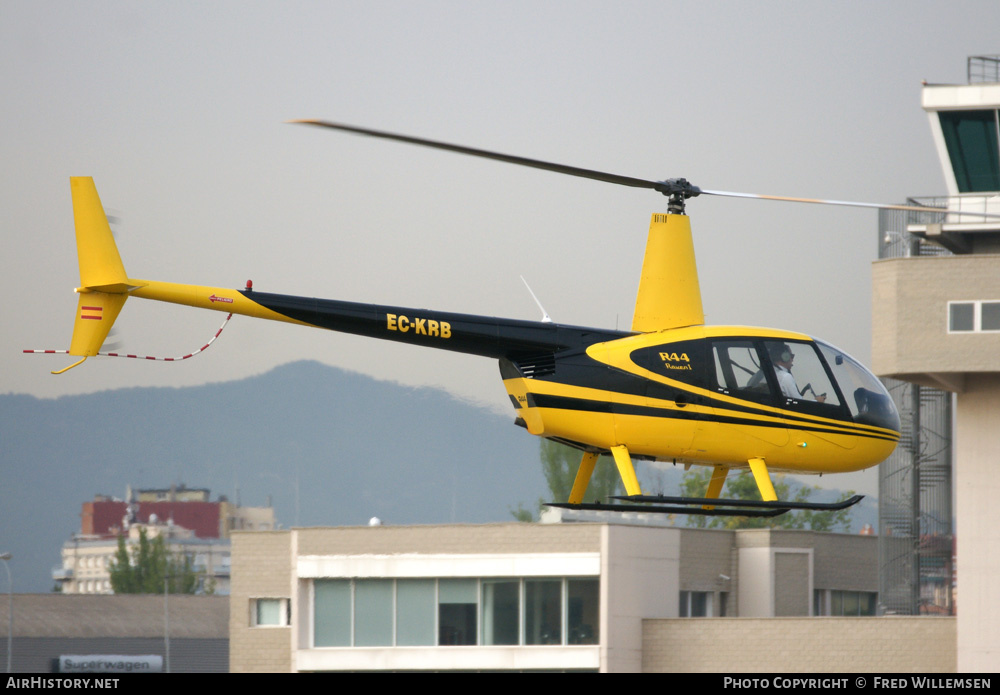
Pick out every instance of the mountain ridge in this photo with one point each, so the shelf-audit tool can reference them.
(327, 446)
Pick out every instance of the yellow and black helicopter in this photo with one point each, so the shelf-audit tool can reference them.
(670, 389)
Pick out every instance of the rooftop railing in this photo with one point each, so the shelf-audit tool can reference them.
(983, 69)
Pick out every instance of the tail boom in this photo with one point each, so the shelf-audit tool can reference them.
(204, 297)
(105, 286)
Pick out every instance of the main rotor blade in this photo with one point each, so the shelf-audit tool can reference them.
(523, 161)
(846, 203)
(667, 187)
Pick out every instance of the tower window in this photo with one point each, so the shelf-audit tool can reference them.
(972, 141)
(981, 316)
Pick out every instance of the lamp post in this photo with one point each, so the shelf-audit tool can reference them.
(166, 622)
(10, 609)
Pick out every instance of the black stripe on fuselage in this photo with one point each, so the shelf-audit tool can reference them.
(486, 336)
(579, 370)
(601, 406)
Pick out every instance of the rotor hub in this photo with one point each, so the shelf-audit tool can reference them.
(678, 191)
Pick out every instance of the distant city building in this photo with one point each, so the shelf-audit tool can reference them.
(189, 522)
(189, 508)
(175, 493)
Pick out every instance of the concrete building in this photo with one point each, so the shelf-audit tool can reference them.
(190, 636)
(936, 322)
(591, 596)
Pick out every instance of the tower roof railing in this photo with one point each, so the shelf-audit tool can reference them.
(983, 69)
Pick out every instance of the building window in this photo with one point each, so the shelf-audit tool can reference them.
(981, 316)
(332, 612)
(501, 624)
(583, 602)
(455, 612)
(457, 609)
(415, 612)
(971, 139)
(695, 604)
(849, 603)
(961, 317)
(373, 609)
(269, 612)
(542, 611)
(989, 316)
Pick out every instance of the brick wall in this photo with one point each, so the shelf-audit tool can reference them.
(263, 561)
(451, 538)
(910, 314)
(800, 645)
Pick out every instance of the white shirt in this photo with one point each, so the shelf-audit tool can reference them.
(786, 382)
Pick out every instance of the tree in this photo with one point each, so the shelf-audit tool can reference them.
(744, 487)
(559, 466)
(144, 569)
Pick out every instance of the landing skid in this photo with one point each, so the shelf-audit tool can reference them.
(776, 504)
(705, 506)
(663, 509)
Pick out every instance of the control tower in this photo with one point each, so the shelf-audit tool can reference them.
(936, 323)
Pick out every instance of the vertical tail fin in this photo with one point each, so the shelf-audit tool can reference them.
(104, 285)
(100, 264)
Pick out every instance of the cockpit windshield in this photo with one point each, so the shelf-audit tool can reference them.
(800, 374)
(867, 398)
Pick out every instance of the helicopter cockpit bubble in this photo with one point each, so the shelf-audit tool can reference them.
(867, 398)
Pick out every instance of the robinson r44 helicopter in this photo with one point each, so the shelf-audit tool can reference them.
(670, 389)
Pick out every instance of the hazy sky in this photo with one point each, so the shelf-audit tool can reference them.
(177, 110)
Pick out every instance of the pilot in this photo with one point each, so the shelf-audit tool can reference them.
(782, 357)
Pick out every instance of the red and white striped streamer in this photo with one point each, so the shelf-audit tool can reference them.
(142, 357)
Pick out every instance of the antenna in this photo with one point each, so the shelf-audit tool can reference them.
(545, 314)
